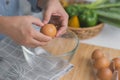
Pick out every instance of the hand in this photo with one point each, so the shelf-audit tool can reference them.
(53, 8)
(19, 28)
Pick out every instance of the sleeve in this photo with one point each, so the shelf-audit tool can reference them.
(35, 8)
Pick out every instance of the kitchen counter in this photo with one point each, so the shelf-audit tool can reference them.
(109, 37)
(83, 69)
(107, 40)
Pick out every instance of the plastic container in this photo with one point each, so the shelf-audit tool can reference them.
(106, 70)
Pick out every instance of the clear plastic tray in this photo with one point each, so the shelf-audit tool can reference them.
(110, 72)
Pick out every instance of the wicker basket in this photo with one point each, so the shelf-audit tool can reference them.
(86, 33)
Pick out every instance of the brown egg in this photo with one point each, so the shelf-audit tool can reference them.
(97, 54)
(49, 30)
(104, 74)
(115, 64)
(119, 73)
(102, 62)
(111, 67)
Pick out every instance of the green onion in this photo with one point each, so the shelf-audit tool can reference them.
(110, 21)
(108, 14)
(107, 5)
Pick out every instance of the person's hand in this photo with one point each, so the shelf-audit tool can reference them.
(20, 29)
(53, 8)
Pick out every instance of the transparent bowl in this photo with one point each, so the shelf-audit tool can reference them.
(56, 55)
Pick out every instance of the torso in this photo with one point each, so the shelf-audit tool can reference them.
(9, 7)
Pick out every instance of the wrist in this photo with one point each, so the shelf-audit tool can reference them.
(42, 3)
(4, 24)
(1, 24)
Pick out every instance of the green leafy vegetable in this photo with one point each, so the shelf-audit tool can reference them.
(108, 14)
(107, 5)
(110, 21)
(107, 10)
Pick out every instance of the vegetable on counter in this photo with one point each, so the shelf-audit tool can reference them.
(71, 10)
(88, 18)
(74, 22)
(90, 14)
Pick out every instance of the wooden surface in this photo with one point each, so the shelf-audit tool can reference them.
(82, 68)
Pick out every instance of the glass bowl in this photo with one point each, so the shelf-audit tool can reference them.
(56, 55)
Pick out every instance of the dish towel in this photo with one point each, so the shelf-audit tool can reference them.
(13, 65)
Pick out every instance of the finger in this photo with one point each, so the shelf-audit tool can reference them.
(36, 21)
(61, 31)
(41, 37)
(35, 43)
(47, 16)
(63, 27)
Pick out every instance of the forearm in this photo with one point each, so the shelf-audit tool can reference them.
(5, 23)
(1, 24)
(42, 3)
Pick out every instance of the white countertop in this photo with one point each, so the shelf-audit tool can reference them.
(108, 37)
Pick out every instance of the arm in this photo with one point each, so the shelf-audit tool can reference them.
(19, 28)
(41, 3)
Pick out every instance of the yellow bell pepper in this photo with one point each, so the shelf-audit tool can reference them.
(74, 22)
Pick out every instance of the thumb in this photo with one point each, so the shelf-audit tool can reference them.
(47, 16)
(36, 21)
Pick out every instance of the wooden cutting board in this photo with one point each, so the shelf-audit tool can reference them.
(82, 67)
